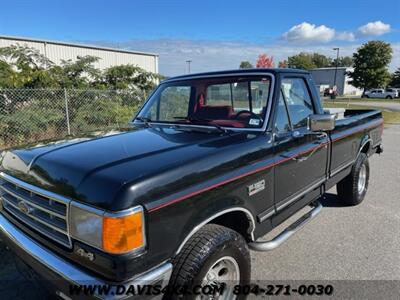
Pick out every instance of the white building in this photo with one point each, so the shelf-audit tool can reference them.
(324, 78)
(57, 51)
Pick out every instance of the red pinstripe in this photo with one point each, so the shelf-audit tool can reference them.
(255, 171)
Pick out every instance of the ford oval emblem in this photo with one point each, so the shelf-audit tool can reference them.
(24, 208)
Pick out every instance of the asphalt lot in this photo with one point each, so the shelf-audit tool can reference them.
(342, 243)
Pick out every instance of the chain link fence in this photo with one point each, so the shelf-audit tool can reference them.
(31, 115)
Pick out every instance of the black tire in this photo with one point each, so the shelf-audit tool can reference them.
(202, 251)
(348, 188)
(389, 97)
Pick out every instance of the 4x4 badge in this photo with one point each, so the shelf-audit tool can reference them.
(256, 187)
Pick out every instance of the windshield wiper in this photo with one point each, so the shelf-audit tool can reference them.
(144, 120)
(205, 122)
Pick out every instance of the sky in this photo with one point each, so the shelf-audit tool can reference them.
(215, 34)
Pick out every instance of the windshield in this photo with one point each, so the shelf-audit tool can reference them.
(237, 102)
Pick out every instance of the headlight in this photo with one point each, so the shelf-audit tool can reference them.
(115, 233)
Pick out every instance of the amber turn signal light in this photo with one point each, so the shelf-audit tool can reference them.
(123, 234)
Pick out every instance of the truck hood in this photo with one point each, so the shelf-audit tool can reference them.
(103, 169)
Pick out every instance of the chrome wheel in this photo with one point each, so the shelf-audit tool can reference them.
(223, 272)
(362, 179)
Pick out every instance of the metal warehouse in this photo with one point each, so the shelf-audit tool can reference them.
(325, 78)
(57, 51)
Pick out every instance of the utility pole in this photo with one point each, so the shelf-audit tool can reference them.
(336, 67)
(188, 63)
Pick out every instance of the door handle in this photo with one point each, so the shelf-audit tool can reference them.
(304, 158)
(297, 134)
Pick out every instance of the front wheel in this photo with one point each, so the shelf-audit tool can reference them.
(389, 97)
(352, 189)
(214, 256)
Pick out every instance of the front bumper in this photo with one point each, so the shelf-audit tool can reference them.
(62, 274)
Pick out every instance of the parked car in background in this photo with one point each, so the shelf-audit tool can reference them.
(380, 93)
(395, 91)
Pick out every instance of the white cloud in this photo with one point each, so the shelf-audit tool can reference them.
(345, 36)
(374, 28)
(223, 55)
(307, 33)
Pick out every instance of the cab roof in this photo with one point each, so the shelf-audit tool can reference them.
(239, 71)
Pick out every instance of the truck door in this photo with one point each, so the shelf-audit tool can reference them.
(301, 157)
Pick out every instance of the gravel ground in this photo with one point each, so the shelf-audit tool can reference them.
(342, 243)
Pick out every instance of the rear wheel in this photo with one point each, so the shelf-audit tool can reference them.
(389, 97)
(214, 256)
(352, 189)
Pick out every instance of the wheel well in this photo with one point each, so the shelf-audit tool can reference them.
(235, 220)
(365, 147)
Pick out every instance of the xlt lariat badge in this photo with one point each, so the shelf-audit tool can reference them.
(256, 187)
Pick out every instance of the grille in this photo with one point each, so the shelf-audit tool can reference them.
(43, 211)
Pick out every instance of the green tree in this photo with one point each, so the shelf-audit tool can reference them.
(395, 82)
(301, 61)
(320, 60)
(371, 63)
(6, 75)
(24, 67)
(79, 73)
(25, 57)
(283, 64)
(246, 65)
(308, 61)
(129, 77)
(344, 61)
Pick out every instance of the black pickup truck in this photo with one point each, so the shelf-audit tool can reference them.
(209, 165)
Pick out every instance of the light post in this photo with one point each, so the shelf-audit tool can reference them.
(334, 79)
(188, 63)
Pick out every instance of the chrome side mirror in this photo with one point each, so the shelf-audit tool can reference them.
(321, 122)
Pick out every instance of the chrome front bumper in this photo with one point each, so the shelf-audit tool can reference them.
(68, 272)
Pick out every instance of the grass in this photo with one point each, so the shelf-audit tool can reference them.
(389, 117)
(358, 99)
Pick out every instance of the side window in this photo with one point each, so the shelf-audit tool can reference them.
(240, 96)
(282, 119)
(174, 102)
(259, 95)
(298, 101)
(234, 94)
(219, 94)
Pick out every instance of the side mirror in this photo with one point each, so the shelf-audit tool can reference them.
(321, 122)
